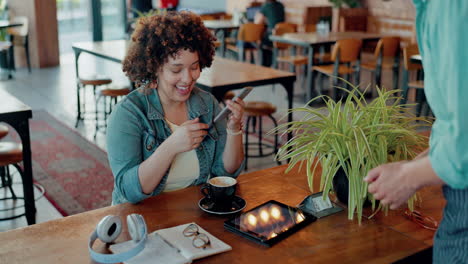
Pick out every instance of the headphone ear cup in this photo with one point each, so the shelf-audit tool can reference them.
(109, 228)
(136, 227)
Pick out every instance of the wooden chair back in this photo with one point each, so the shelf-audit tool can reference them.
(251, 32)
(388, 46)
(279, 30)
(348, 50)
(21, 31)
(408, 51)
(308, 28)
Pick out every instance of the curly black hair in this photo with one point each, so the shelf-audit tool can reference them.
(160, 36)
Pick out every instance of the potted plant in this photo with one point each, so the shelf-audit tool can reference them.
(352, 136)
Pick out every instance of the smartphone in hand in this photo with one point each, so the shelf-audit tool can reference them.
(225, 112)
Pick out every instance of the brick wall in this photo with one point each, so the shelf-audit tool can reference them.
(392, 17)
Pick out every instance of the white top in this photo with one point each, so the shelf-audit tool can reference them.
(184, 169)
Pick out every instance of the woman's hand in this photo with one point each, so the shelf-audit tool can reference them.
(188, 136)
(390, 184)
(236, 115)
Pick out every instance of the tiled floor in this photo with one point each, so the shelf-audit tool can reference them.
(53, 89)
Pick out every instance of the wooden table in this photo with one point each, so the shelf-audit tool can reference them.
(8, 24)
(312, 41)
(17, 114)
(333, 239)
(224, 26)
(222, 76)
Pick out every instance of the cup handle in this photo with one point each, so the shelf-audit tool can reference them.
(205, 190)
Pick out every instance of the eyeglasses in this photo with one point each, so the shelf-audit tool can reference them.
(200, 240)
(422, 220)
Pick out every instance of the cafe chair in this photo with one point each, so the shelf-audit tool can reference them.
(417, 85)
(386, 57)
(20, 37)
(83, 83)
(294, 61)
(346, 63)
(251, 34)
(109, 96)
(5, 57)
(255, 111)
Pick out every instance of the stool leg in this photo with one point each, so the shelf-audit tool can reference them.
(96, 112)
(78, 104)
(260, 130)
(276, 138)
(10, 182)
(2, 176)
(246, 143)
(254, 125)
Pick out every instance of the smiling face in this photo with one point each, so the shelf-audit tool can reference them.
(178, 76)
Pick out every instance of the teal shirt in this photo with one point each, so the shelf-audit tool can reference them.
(442, 31)
(137, 127)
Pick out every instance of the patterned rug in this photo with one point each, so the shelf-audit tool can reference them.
(74, 172)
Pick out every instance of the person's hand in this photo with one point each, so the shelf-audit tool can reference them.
(188, 136)
(390, 184)
(236, 115)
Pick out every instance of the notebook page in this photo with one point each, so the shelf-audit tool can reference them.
(156, 251)
(175, 236)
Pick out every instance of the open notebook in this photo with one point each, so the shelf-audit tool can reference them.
(170, 246)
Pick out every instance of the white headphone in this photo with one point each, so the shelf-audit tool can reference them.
(109, 228)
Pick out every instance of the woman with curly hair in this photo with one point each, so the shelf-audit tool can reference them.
(159, 137)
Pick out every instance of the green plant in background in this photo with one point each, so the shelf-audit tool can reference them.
(348, 3)
(152, 12)
(3, 16)
(353, 135)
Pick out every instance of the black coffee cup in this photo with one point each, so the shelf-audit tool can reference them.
(221, 191)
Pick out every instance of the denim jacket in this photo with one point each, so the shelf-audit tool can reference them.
(137, 127)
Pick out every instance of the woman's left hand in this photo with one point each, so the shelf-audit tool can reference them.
(236, 115)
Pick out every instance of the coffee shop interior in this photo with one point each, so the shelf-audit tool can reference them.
(311, 64)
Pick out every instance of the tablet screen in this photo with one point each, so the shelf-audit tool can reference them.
(269, 220)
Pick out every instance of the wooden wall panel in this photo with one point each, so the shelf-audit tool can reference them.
(43, 32)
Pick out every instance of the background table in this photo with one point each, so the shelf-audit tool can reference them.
(223, 26)
(333, 239)
(17, 114)
(312, 41)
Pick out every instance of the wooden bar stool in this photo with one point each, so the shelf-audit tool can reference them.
(10, 154)
(387, 57)
(3, 130)
(83, 82)
(418, 85)
(110, 97)
(254, 111)
(346, 58)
